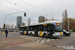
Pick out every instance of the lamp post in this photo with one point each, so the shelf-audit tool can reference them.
(68, 24)
(7, 16)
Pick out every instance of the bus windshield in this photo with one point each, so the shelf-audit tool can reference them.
(58, 28)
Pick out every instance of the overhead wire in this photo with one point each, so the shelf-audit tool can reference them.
(9, 8)
(22, 6)
(38, 7)
(15, 9)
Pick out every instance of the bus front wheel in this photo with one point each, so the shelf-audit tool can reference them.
(51, 36)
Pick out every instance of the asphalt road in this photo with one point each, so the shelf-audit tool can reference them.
(64, 42)
(25, 42)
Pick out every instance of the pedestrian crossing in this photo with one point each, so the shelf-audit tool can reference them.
(43, 40)
(38, 39)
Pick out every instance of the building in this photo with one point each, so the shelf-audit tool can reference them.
(41, 19)
(12, 26)
(7, 26)
(64, 15)
(51, 19)
(23, 24)
(19, 21)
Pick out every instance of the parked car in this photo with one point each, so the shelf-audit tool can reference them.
(66, 33)
(10, 30)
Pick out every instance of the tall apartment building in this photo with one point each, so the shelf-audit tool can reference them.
(19, 21)
(64, 15)
(41, 19)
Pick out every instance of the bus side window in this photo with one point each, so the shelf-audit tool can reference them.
(44, 28)
(40, 28)
(36, 28)
(30, 28)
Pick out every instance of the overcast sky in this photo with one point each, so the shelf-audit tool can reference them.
(55, 7)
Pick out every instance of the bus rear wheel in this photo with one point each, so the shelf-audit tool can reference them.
(31, 33)
(44, 35)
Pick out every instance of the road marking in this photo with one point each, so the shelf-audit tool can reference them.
(47, 40)
(39, 40)
(16, 42)
(43, 41)
(29, 38)
(36, 39)
(8, 38)
(8, 46)
(52, 39)
(24, 36)
(33, 38)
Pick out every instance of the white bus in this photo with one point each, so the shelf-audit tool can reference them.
(44, 29)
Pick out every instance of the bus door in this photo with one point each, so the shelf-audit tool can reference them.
(36, 31)
(50, 30)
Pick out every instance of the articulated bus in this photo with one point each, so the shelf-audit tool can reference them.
(44, 29)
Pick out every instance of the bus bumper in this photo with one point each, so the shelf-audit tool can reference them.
(57, 35)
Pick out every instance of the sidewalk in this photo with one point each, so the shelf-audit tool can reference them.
(1, 33)
(72, 32)
(27, 45)
(20, 43)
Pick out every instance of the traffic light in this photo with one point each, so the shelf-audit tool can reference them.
(4, 26)
(24, 14)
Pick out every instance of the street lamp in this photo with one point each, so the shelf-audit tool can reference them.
(7, 16)
(68, 24)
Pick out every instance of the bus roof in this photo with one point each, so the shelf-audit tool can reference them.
(46, 22)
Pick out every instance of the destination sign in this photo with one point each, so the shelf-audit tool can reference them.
(57, 23)
(44, 24)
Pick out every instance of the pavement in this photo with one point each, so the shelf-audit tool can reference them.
(21, 42)
(16, 41)
(72, 32)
